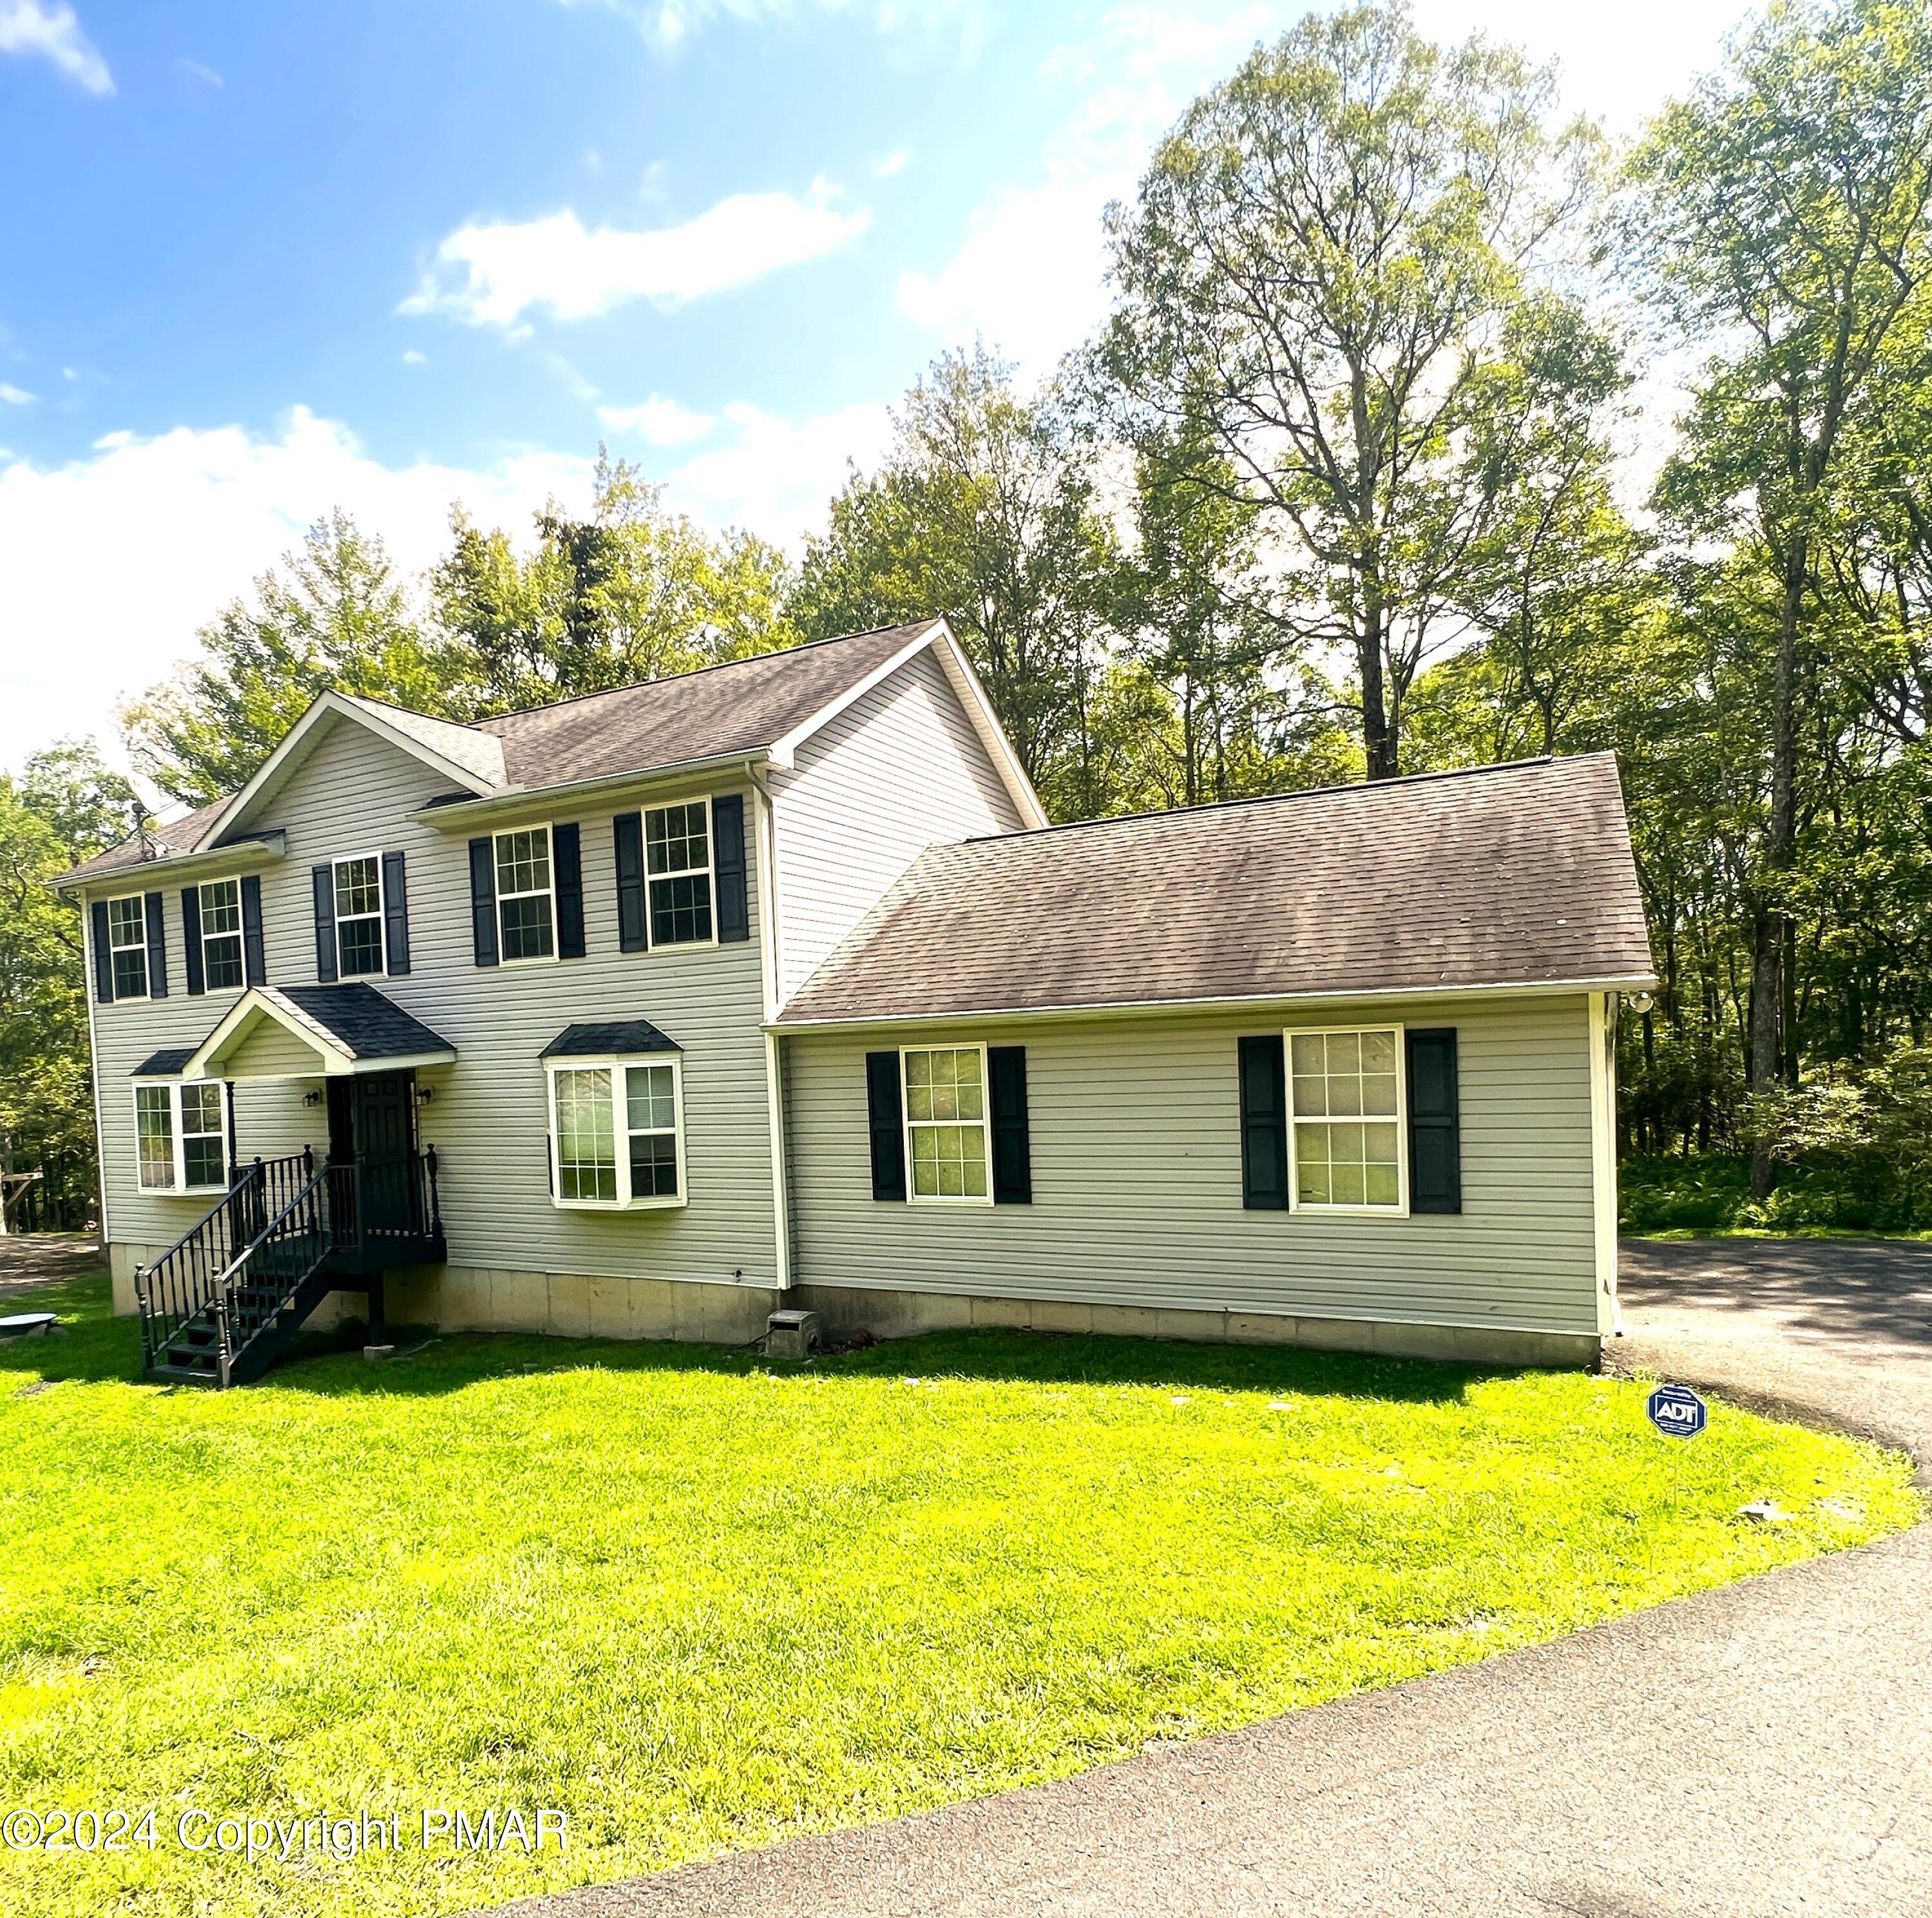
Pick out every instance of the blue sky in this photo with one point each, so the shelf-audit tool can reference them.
(256, 260)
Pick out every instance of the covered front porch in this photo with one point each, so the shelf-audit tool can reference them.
(231, 1293)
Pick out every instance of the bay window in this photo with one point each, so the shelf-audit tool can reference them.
(617, 1133)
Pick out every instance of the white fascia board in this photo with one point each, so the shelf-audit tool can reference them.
(556, 801)
(1283, 1002)
(986, 723)
(256, 1004)
(783, 751)
(245, 855)
(270, 774)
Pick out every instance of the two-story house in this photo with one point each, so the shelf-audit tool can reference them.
(643, 1014)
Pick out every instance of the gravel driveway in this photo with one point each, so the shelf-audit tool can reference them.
(1755, 1750)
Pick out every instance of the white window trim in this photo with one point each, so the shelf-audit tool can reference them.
(710, 871)
(139, 945)
(614, 1063)
(548, 828)
(382, 915)
(1295, 1203)
(181, 1188)
(239, 935)
(907, 1122)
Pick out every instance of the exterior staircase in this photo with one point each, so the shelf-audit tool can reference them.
(224, 1303)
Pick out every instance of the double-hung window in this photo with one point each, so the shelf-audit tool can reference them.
(181, 1137)
(1346, 1101)
(946, 1141)
(525, 895)
(221, 908)
(127, 943)
(677, 860)
(358, 917)
(617, 1132)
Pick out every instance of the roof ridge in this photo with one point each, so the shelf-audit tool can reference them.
(1275, 799)
(697, 672)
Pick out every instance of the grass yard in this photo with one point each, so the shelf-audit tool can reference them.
(699, 1602)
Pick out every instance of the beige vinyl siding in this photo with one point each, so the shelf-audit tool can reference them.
(272, 1051)
(488, 1114)
(899, 770)
(1137, 1178)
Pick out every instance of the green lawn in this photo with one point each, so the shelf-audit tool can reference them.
(700, 1603)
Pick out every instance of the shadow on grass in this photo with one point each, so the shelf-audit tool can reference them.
(97, 1346)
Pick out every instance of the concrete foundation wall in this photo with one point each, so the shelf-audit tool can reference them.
(894, 1314)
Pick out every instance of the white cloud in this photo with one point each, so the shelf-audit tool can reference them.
(15, 396)
(493, 273)
(411, 358)
(884, 170)
(196, 515)
(777, 478)
(196, 69)
(658, 421)
(29, 27)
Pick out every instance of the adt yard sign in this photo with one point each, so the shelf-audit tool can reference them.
(1677, 1411)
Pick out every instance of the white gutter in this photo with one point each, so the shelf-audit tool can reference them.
(610, 785)
(1518, 989)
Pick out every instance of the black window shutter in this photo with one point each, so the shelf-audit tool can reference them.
(104, 956)
(191, 938)
(483, 899)
(1013, 1147)
(323, 878)
(1264, 1124)
(158, 946)
(566, 854)
(627, 830)
(254, 953)
(883, 1117)
(727, 854)
(1435, 1123)
(395, 915)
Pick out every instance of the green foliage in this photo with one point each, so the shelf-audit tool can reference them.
(64, 807)
(701, 1603)
(631, 593)
(1325, 285)
(983, 510)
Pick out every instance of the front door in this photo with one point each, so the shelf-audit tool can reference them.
(372, 1124)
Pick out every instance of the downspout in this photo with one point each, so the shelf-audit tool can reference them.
(768, 930)
(90, 961)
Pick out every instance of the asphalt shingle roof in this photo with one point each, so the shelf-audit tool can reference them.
(741, 706)
(617, 1038)
(361, 1021)
(738, 707)
(1509, 875)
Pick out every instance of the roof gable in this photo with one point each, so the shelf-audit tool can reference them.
(1514, 876)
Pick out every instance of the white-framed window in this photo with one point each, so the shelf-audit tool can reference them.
(128, 946)
(359, 916)
(617, 1132)
(948, 1149)
(1348, 1112)
(525, 896)
(181, 1136)
(677, 867)
(220, 905)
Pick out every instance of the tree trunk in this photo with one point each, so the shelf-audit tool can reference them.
(1768, 985)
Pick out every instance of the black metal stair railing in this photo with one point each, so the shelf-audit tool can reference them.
(183, 1282)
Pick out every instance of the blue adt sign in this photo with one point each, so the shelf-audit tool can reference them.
(1677, 1411)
